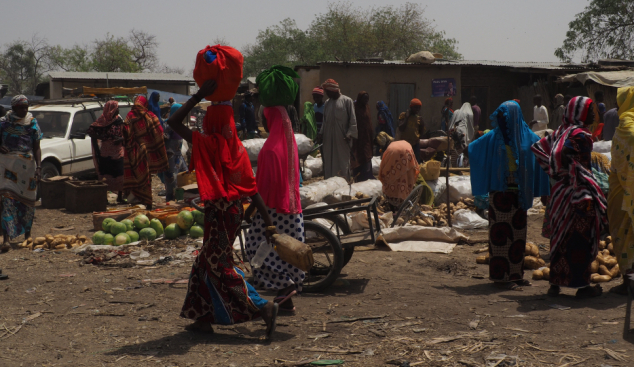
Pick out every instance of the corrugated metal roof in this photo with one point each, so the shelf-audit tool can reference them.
(509, 64)
(120, 76)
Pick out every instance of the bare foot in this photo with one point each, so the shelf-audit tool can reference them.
(5, 246)
(269, 315)
(200, 326)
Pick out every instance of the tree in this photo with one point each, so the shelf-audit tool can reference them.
(23, 64)
(605, 29)
(144, 47)
(76, 58)
(114, 54)
(282, 44)
(347, 33)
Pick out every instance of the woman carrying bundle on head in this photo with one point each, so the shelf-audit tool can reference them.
(278, 184)
(217, 292)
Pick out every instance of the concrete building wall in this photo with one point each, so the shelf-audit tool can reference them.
(376, 80)
(308, 79)
(56, 85)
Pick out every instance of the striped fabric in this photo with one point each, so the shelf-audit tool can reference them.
(574, 182)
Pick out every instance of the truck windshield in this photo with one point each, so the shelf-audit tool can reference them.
(52, 124)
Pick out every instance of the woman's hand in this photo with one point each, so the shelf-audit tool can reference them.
(268, 233)
(38, 174)
(208, 88)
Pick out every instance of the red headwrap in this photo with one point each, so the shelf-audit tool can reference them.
(415, 102)
(318, 90)
(223, 169)
(331, 85)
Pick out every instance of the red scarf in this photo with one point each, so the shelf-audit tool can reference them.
(223, 169)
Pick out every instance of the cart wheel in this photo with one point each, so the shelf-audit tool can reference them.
(410, 206)
(327, 254)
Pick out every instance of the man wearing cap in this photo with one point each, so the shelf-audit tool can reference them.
(337, 132)
(411, 126)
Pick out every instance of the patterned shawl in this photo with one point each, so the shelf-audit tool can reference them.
(145, 130)
(108, 116)
(575, 183)
(384, 112)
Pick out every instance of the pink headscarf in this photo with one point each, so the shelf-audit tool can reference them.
(278, 168)
(108, 116)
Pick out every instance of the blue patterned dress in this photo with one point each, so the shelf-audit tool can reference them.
(16, 190)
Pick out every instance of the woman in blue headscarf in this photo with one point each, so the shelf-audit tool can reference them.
(173, 145)
(503, 166)
(153, 106)
(384, 119)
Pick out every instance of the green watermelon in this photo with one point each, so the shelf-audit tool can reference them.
(97, 238)
(157, 226)
(128, 224)
(185, 219)
(133, 236)
(147, 234)
(172, 231)
(199, 217)
(116, 228)
(196, 231)
(107, 223)
(121, 239)
(141, 221)
(108, 239)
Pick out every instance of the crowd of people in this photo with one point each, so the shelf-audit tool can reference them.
(512, 164)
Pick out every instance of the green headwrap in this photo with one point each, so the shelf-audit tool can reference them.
(277, 87)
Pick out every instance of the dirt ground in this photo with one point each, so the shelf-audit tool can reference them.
(426, 309)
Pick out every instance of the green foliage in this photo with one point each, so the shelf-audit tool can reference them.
(114, 54)
(23, 64)
(76, 58)
(605, 29)
(347, 33)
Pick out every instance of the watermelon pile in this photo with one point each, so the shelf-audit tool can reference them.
(127, 231)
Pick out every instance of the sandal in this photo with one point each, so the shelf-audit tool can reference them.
(523, 283)
(589, 292)
(200, 327)
(5, 248)
(509, 286)
(553, 291)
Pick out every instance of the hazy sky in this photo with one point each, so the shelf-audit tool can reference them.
(510, 30)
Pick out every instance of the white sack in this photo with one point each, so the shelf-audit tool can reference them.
(307, 174)
(459, 188)
(376, 164)
(423, 246)
(438, 186)
(420, 233)
(359, 220)
(602, 147)
(316, 165)
(304, 144)
(370, 187)
(466, 219)
(424, 57)
(253, 147)
(317, 191)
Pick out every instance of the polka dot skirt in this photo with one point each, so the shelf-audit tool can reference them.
(275, 273)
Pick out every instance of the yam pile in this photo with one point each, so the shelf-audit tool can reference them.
(56, 242)
(604, 268)
(438, 213)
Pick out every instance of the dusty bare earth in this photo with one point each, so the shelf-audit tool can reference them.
(426, 309)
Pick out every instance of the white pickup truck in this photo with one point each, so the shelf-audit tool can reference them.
(66, 149)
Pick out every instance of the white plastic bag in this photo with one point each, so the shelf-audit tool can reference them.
(437, 186)
(466, 219)
(376, 164)
(307, 174)
(317, 191)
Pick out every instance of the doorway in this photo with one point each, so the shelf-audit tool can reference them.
(482, 95)
(400, 97)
